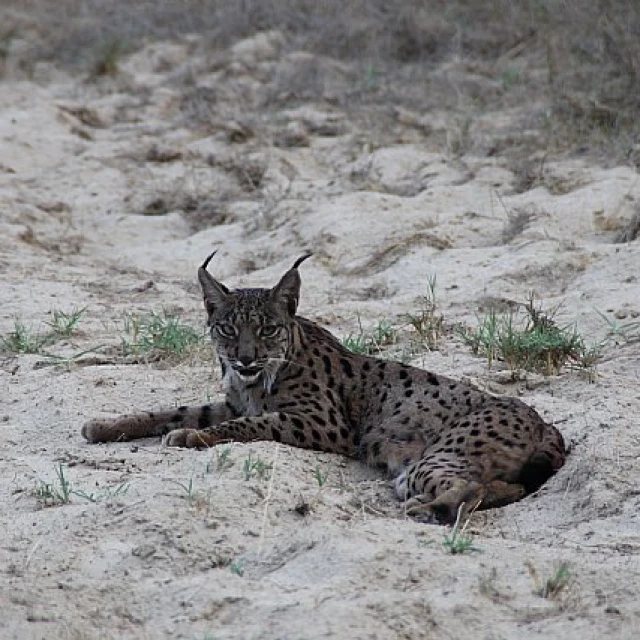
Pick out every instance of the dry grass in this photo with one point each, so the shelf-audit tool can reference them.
(631, 229)
(575, 65)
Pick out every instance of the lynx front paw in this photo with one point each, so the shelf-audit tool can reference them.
(190, 438)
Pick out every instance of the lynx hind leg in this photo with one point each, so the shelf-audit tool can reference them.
(146, 425)
(439, 489)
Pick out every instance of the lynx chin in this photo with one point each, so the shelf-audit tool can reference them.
(448, 446)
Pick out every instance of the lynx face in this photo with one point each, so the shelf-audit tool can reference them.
(251, 333)
(252, 329)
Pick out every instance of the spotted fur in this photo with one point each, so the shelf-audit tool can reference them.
(448, 445)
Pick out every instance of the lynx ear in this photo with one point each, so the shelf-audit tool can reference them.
(214, 292)
(287, 291)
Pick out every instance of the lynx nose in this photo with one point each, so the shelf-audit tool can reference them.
(246, 360)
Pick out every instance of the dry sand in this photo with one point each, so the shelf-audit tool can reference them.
(240, 558)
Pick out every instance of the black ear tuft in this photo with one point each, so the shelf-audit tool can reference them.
(214, 292)
(205, 264)
(301, 259)
(287, 291)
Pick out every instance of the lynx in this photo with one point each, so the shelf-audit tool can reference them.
(449, 446)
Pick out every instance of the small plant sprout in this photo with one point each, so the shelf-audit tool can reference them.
(22, 340)
(320, 476)
(221, 459)
(64, 325)
(255, 467)
(25, 340)
(191, 494)
(237, 567)
(60, 491)
(554, 584)
(371, 342)
(458, 541)
(54, 493)
(427, 322)
(621, 332)
(107, 493)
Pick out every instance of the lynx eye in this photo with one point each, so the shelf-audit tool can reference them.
(269, 331)
(226, 330)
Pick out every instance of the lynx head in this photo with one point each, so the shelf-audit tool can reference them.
(252, 329)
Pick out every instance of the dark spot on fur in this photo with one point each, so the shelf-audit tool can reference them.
(327, 364)
(346, 367)
(433, 379)
(333, 436)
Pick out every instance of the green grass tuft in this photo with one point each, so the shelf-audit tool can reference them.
(22, 340)
(221, 459)
(554, 584)
(25, 340)
(320, 476)
(530, 343)
(371, 342)
(60, 491)
(64, 325)
(256, 467)
(458, 541)
(154, 332)
(427, 322)
(54, 493)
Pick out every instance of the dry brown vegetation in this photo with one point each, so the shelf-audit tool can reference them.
(571, 69)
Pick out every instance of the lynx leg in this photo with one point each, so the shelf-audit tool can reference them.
(500, 493)
(461, 495)
(295, 430)
(146, 425)
(437, 487)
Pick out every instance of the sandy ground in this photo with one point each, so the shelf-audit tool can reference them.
(175, 545)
